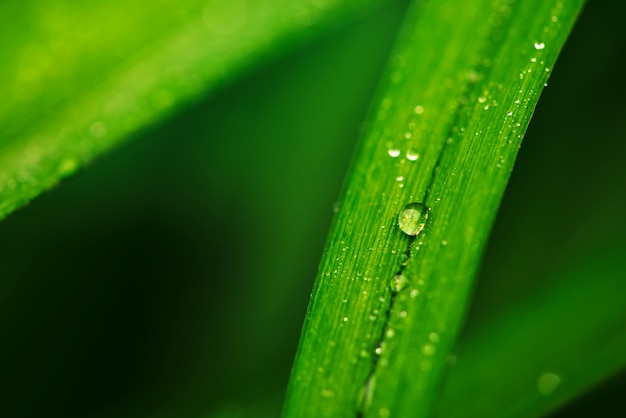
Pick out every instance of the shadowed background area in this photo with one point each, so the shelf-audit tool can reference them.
(170, 278)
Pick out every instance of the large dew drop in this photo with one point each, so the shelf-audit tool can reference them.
(413, 218)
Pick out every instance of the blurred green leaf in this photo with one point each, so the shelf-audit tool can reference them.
(79, 78)
(529, 358)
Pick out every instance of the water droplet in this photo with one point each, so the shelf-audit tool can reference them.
(393, 152)
(399, 178)
(412, 155)
(428, 349)
(533, 59)
(433, 337)
(414, 293)
(413, 218)
(384, 413)
(510, 114)
(539, 45)
(345, 319)
(403, 314)
(482, 99)
(390, 333)
(547, 383)
(378, 350)
(554, 19)
(399, 282)
(408, 135)
(419, 110)
(444, 243)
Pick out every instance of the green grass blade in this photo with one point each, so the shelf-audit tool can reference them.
(445, 130)
(571, 336)
(77, 79)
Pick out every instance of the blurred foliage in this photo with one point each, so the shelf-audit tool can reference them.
(77, 79)
(171, 277)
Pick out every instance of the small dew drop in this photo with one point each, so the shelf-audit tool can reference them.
(539, 45)
(378, 351)
(444, 243)
(412, 155)
(399, 178)
(414, 293)
(408, 135)
(393, 152)
(403, 314)
(428, 349)
(419, 110)
(412, 218)
(547, 383)
(345, 319)
(390, 333)
(510, 114)
(554, 19)
(533, 59)
(399, 282)
(482, 99)
(384, 413)
(433, 337)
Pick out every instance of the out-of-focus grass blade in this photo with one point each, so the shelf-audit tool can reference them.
(527, 359)
(79, 77)
(445, 130)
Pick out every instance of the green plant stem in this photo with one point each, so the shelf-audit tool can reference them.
(445, 129)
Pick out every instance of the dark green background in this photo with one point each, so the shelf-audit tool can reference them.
(170, 278)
